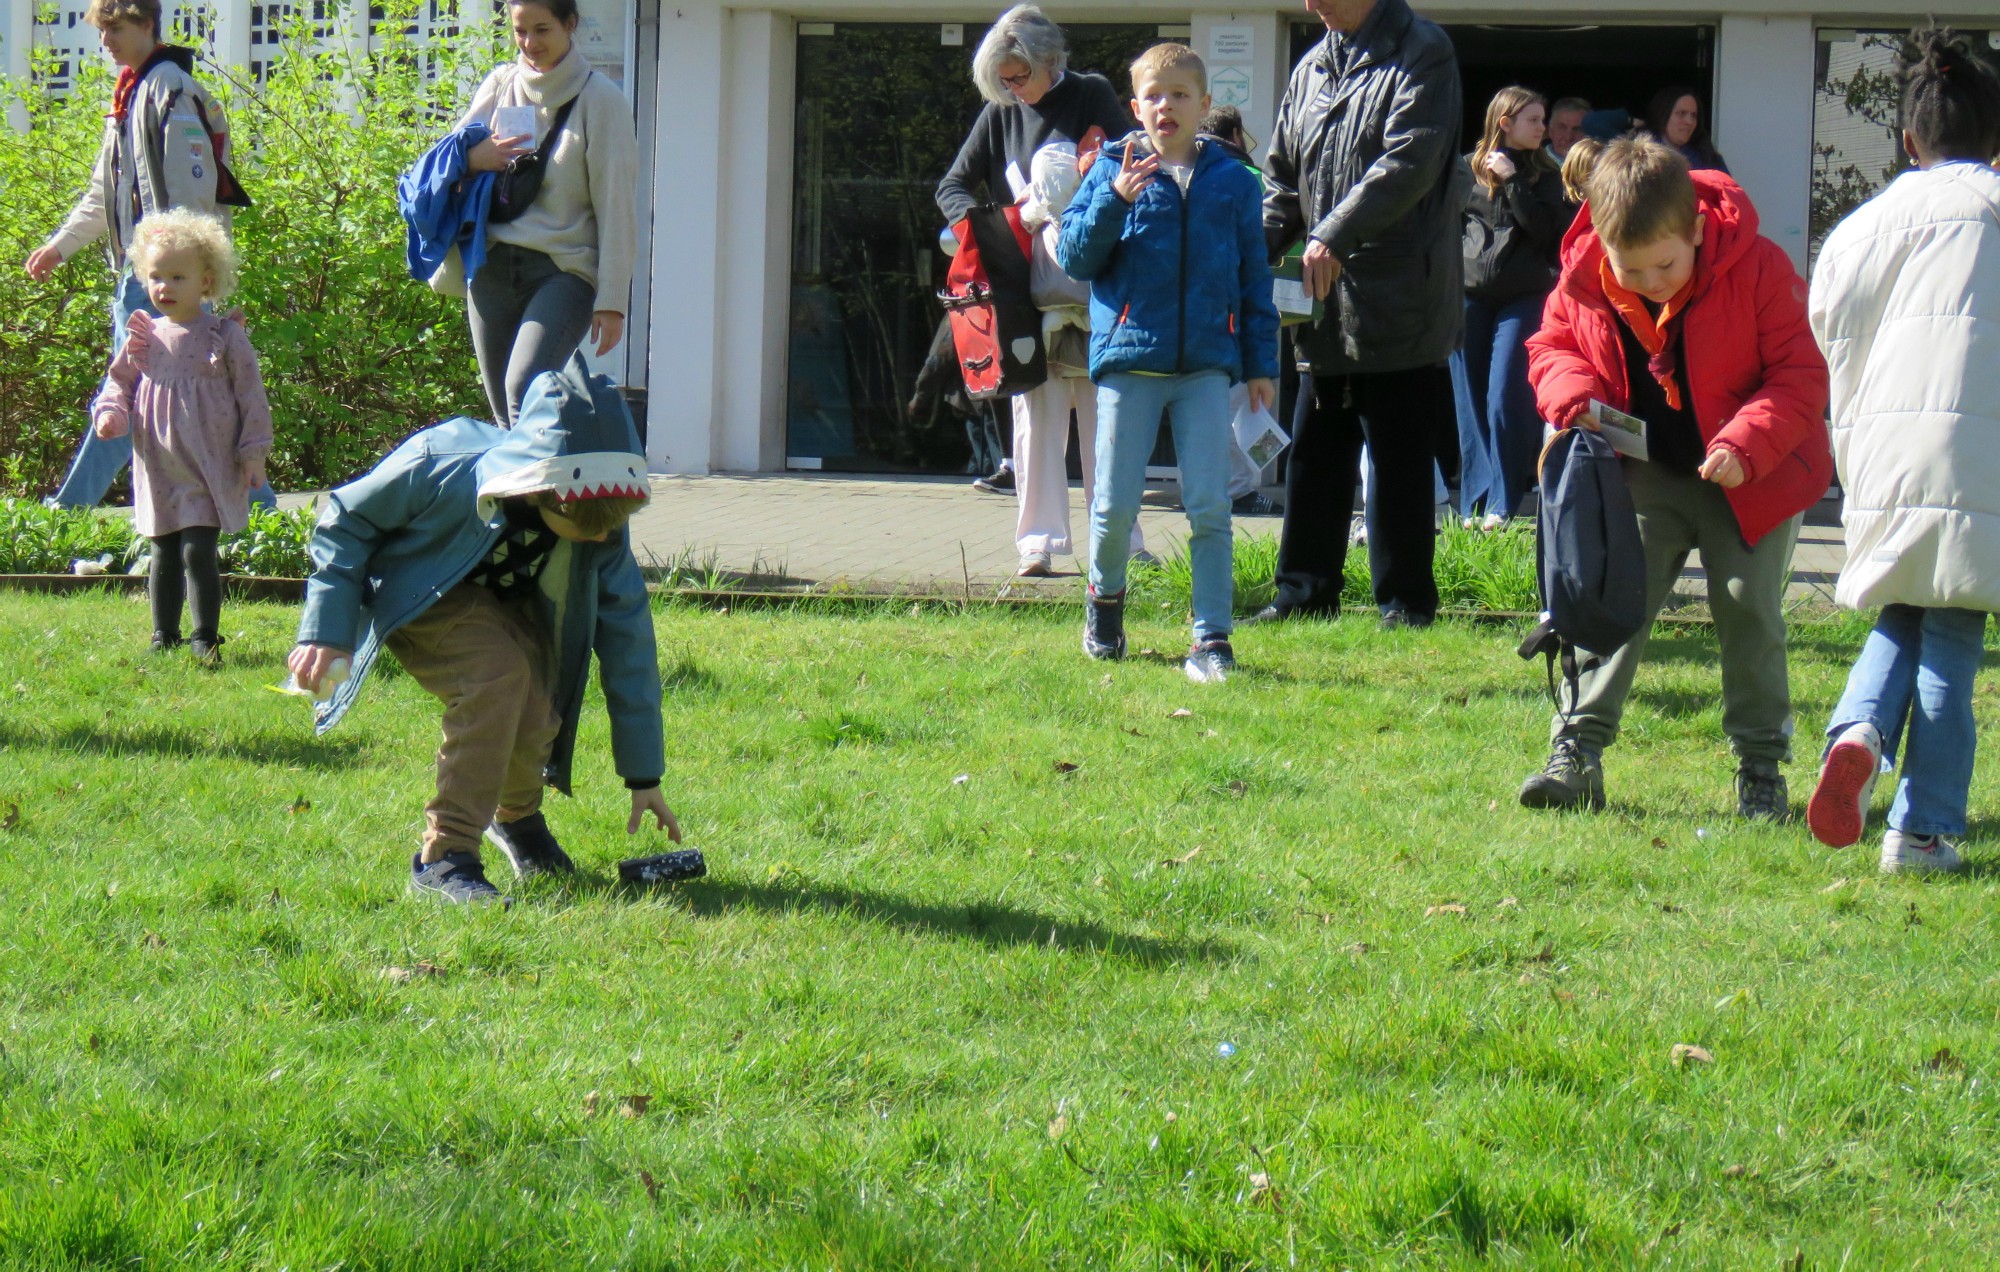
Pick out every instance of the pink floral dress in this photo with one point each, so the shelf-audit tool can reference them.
(195, 403)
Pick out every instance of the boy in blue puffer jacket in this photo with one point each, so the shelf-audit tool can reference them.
(1180, 310)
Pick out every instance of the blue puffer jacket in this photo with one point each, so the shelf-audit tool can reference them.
(391, 543)
(1177, 284)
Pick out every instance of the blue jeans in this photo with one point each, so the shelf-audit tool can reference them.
(1128, 424)
(1499, 426)
(1918, 666)
(98, 462)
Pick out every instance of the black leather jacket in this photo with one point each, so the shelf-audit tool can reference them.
(1367, 163)
(1512, 236)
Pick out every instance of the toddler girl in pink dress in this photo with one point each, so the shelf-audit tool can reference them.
(187, 387)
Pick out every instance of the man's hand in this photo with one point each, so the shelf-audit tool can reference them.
(651, 801)
(607, 328)
(309, 664)
(1134, 175)
(1321, 269)
(1724, 468)
(1263, 394)
(42, 262)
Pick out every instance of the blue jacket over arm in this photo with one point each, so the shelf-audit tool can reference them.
(443, 203)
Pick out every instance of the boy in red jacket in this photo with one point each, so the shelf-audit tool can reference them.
(1672, 307)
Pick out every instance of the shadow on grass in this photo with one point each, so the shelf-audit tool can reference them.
(988, 922)
(172, 743)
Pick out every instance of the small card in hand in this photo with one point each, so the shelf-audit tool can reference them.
(1626, 433)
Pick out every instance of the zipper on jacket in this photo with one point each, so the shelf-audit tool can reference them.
(1180, 326)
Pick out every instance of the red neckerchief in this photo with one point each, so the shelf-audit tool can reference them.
(1653, 333)
(128, 83)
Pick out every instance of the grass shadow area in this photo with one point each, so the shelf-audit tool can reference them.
(168, 742)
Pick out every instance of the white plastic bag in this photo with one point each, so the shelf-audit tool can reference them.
(1258, 434)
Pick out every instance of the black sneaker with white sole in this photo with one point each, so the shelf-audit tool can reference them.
(456, 877)
(1000, 482)
(530, 847)
(1104, 627)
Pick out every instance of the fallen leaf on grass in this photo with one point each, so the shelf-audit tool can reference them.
(1238, 787)
(404, 975)
(590, 1105)
(1508, 903)
(1451, 907)
(652, 1186)
(1561, 995)
(1065, 767)
(12, 817)
(1058, 1126)
(1671, 1230)
(1179, 713)
(1134, 732)
(1264, 1193)
(1492, 805)
(1659, 842)
(1737, 1171)
(1359, 948)
(95, 1042)
(299, 805)
(1836, 885)
(1184, 858)
(633, 1105)
(155, 941)
(1945, 1062)
(1683, 1052)
(1149, 653)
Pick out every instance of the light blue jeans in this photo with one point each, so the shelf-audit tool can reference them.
(98, 462)
(1129, 408)
(1917, 667)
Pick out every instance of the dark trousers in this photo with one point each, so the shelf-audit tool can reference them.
(1401, 415)
(186, 570)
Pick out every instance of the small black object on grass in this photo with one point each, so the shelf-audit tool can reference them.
(666, 867)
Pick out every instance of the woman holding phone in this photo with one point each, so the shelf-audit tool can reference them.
(560, 255)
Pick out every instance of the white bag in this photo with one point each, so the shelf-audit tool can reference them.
(1258, 434)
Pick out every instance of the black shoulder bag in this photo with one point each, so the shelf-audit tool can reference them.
(516, 185)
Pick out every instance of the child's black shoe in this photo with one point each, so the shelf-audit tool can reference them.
(163, 642)
(1104, 626)
(207, 649)
(530, 847)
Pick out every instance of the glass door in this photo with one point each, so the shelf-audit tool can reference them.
(882, 111)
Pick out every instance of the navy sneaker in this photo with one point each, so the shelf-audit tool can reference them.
(530, 847)
(1210, 662)
(457, 877)
(1104, 626)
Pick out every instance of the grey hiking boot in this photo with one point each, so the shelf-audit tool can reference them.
(1572, 778)
(1761, 794)
(530, 847)
(456, 877)
(1104, 626)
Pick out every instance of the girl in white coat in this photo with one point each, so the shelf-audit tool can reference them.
(1906, 304)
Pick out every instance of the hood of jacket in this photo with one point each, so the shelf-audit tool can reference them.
(574, 438)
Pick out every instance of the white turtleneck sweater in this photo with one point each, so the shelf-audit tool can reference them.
(586, 216)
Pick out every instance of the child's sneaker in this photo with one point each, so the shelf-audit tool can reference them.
(207, 650)
(1918, 854)
(1104, 626)
(530, 847)
(456, 877)
(1573, 777)
(1761, 794)
(1838, 810)
(1210, 662)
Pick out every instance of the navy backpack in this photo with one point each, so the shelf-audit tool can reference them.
(1588, 558)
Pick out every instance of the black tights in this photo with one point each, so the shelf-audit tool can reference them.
(186, 555)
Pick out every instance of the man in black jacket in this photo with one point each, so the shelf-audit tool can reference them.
(1365, 164)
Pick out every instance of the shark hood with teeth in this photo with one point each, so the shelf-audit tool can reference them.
(574, 437)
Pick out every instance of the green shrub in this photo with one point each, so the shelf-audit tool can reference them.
(355, 354)
(39, 540)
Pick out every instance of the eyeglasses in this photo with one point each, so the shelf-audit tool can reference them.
(1017, 81)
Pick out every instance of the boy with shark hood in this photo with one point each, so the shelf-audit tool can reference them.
(494, 563)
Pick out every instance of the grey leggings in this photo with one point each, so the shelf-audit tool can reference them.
(185, 567)
(527, 317)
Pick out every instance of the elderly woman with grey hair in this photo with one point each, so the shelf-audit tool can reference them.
(1033, 100)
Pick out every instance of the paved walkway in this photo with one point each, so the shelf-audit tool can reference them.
(938, 535)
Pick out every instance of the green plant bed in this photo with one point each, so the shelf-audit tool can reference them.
(1006, 959)
(40, 540)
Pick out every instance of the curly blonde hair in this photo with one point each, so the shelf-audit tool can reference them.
(180, 230)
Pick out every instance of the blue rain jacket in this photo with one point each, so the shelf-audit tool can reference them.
(1178, 284)
(443, 203)
(391, 543)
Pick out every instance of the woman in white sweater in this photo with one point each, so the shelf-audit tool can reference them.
(559, 268)
(1906, 304)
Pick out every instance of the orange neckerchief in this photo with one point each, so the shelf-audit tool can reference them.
(121, 96)
(1654, 337)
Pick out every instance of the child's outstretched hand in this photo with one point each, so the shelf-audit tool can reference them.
(650, 801)
(1134, 175)
(1724, 468)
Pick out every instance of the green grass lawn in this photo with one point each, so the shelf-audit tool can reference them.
(1002, 962)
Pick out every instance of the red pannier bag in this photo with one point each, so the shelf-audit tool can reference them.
(995, 327)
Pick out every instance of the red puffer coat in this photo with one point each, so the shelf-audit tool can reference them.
(1756, 378)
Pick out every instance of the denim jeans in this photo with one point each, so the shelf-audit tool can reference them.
(1129, 408)
(1917, 667)
(98, 462)
(1499, 427)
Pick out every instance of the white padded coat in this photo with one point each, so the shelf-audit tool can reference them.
(1906, 306)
